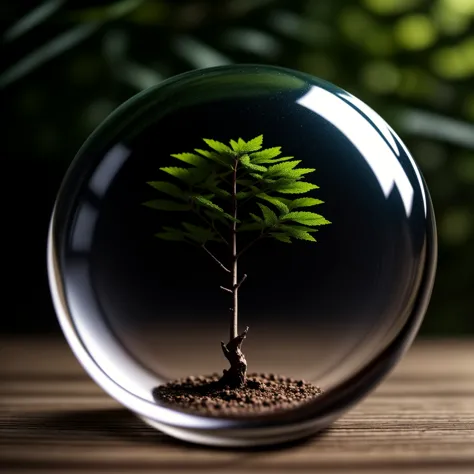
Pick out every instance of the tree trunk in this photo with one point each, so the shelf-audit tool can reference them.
(236, 375)
(234, 324)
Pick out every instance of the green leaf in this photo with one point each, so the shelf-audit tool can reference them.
(298, 233)
(241, 146)
(172, 234)
(207, 203)
(281, 206)
(285, 201)
(198, 233)
(295, 174)
(238, 146)
(304, 202)
(269, 217)
(222, 193)
(235, 146)
(215, 216)
(188, 175)
(306, 218)
(244, 194)
(191, 159)
(248, 226)
(293, 187)
(263, 156)
(277, 160)
(210, 205)
(225, 174)
(281, 237)
(216, 157)
(168, 188)
(289, 225)
(165, 205)
(181, 173)
(282, 167)
(245, 160)
(218, 146)
(206, 153)
(302, 235)
(256, 218)
(212, 184)
(254, 144)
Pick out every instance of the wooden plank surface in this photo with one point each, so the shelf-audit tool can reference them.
(54, 419)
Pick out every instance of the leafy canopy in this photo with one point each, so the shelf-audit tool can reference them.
(205, 188)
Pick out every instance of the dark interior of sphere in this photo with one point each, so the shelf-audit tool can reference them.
(311, 306)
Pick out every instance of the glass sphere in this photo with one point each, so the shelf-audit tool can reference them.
(139, 311)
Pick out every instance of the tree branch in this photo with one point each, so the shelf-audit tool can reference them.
(223, 178)
(241, 281)
(260, 191)
(212, 225)
(261, 236)
(215, 258)
(225, 289)
(214, 228)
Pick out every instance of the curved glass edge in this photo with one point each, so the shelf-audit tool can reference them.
(342, 397)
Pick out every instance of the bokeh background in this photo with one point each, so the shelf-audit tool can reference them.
(65, 65)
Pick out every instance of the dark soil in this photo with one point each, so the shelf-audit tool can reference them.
(262, 393)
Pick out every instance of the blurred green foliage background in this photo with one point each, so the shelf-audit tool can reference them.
(65, 65)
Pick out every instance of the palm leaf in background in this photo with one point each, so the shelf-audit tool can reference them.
(68, 64)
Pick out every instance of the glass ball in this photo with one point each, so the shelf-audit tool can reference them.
(333, 229)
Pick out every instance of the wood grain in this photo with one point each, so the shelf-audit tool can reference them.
(54, 419)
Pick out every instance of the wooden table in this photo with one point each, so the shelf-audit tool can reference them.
(54, 419)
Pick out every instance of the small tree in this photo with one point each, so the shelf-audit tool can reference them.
(215, 187)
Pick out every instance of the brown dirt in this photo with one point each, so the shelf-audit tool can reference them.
(262, 393)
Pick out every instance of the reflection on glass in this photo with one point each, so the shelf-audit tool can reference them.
(108, 168)
(365, 137)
